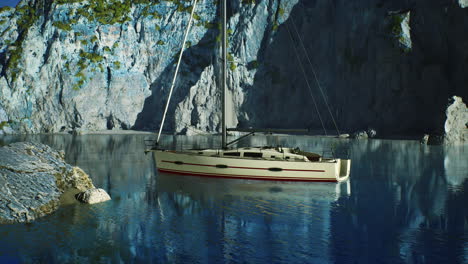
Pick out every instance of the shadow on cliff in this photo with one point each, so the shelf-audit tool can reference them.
(194, 60)
(368, 80)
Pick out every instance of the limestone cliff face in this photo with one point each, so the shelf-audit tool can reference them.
(108, 64)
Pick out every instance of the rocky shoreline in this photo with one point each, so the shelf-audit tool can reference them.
(455, 129)
(33, 178)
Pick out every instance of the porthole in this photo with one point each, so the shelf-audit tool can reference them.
(178, 163)
(221, 166)
(275, 169)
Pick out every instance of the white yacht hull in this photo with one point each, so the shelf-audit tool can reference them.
(329, 170)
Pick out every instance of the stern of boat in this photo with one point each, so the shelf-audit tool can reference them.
(344, 169)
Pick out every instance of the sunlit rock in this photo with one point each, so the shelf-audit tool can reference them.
(74, 68)
(400, 26)
(463, 3)
(456, 124)
(93, 196)
(432, 139)
(360, 135)
(424, 139)
(33, 177)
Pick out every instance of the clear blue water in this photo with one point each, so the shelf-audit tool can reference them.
(404, 203)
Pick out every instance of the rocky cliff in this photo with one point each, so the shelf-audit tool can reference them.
(108, 64)
(371, 79)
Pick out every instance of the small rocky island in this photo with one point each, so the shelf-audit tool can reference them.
(33, 178)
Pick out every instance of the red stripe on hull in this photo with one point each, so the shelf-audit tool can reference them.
(247, 168)
(247, 177)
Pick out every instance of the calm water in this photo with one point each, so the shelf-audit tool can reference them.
(405, 203)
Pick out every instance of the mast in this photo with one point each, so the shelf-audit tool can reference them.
(223, 74)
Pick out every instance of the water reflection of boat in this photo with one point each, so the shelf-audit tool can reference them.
(246, 217)
(202, 188)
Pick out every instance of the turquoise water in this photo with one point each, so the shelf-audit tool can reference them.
(404, 203)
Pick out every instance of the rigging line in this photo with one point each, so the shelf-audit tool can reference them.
(315, 75)
(177, 70)
(306, 79)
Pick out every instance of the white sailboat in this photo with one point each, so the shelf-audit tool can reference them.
(259, 163)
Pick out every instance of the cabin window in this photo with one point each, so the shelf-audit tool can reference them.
(233, 154)
(221, 166)
(275, 169)
(253, 154)
(273, 157)
(287, 158)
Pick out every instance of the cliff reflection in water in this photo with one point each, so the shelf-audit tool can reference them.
(404, 203)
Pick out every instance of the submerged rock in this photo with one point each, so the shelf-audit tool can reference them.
(456, 130)
(93, 196)
(371, 133)
(33, 177)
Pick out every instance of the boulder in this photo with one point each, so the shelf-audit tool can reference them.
(33, 177)
(433, 139)
(400, 27)
(424, 139)
(93, 196)
(455, 127)
(360, 135)
(371, 133)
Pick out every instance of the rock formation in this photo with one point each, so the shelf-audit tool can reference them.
(32, 179)
(456, 125)
(93, 196)
(107, 64)
(92, 65)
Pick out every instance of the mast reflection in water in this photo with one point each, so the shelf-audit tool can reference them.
(405, 203)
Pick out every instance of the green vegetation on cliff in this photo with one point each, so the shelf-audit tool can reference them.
(99, 12)
(5, 8)
(26, 18)
(61, 25)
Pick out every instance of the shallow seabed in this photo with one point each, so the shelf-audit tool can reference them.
(404, 203)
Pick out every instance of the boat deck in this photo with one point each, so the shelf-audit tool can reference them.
(260, 153)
